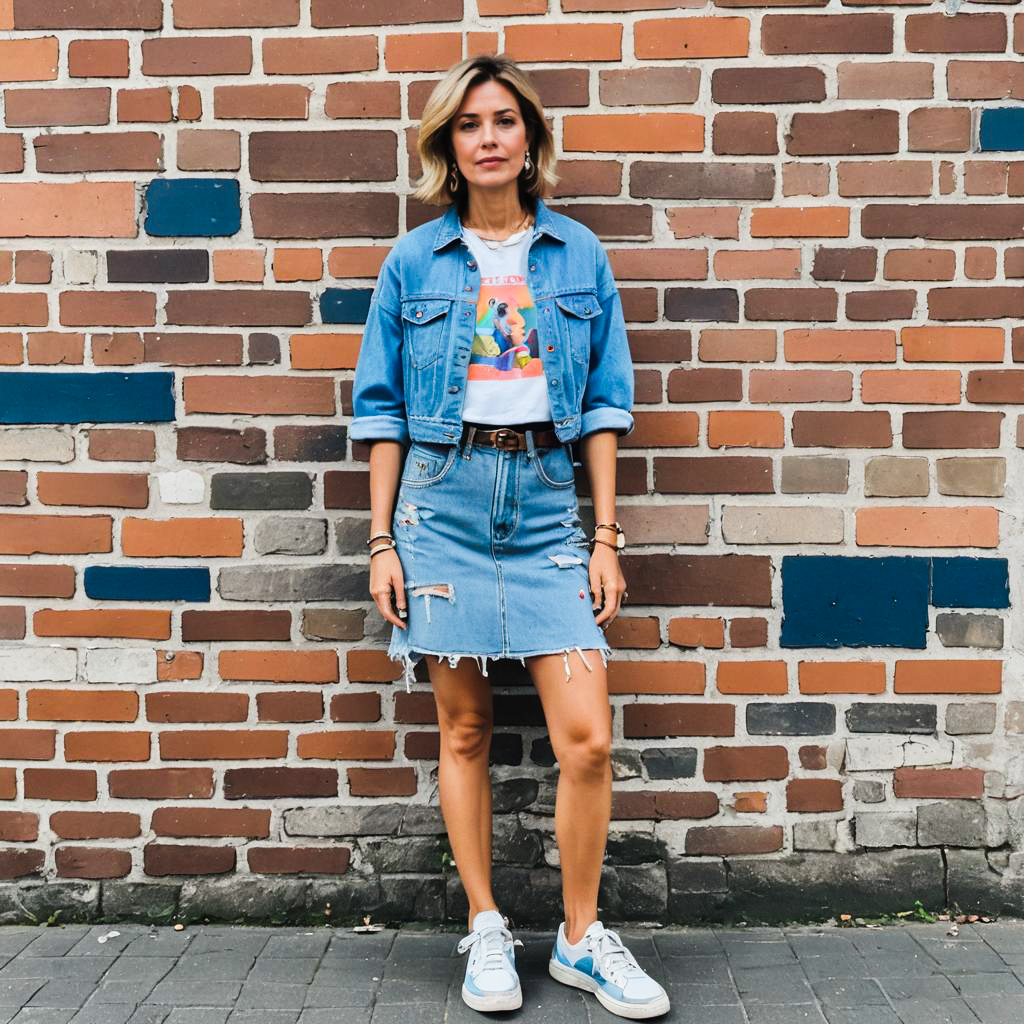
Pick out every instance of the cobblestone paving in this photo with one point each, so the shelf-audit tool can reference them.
(221, 974)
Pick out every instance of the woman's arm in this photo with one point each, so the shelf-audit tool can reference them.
(386, 577)
(598, 451)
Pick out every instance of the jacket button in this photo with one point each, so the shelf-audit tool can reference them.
(554, 383)
(468, 288)
(551, 348)
(586, 309)
(419, 312)
(453, 389)
(533, 266)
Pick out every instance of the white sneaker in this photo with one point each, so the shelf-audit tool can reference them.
(491, 979)
(601, 964)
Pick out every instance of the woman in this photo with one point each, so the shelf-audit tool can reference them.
(495, 339)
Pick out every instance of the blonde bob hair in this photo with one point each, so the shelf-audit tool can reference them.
(437, 154)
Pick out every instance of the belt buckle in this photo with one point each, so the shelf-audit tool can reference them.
(506, 439)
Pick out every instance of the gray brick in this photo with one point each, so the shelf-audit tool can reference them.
(814, 835)
(280, 535)
(883, 829)
(951, 823)
(791, 718)
(891, 718)
(969, 629)
(970, 719)
(256, 491)
(869, 791)
(328, 582)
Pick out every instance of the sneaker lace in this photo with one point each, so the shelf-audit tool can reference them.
(613, 959)
(492, 946)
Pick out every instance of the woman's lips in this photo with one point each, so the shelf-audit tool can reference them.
(491, 161)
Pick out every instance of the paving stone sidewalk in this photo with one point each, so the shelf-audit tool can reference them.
(222, 974)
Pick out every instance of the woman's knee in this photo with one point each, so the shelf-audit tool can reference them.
(586, 755)
(467, 735)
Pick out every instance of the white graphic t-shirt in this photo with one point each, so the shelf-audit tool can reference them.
(506, 383)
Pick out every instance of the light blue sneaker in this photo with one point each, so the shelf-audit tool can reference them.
(603, 965)
(491, 979)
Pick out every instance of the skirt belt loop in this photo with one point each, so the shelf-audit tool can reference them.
(530, 449)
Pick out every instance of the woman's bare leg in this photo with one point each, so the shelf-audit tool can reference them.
(466, 719)
(579, 723)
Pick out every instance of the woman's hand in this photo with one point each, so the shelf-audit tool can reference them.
(387, 579)
(606, 578)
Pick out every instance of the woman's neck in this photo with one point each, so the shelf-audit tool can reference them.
(495, 215)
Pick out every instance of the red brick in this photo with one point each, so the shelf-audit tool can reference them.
(945, 783)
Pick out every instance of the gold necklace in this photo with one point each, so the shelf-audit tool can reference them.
(521, 223)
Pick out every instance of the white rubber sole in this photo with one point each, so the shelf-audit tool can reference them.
(567, 976)
(492, 1004)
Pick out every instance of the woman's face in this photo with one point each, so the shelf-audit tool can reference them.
(489, 136)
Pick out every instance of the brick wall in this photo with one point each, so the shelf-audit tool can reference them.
(815, 222)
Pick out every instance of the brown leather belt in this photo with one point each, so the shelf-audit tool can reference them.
(507, 438)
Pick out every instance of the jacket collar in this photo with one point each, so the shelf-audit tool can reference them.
(449, 229)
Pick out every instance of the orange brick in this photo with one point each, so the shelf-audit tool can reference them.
(178, 665)
(696, 632)
(746, 428)
(222, 744)
(124, 623)
(841, 676)
(656, 677)
(933, 387)
(663, 429)
(750, 803)
(825, 345)
(51, 348)
(93, 209)
(268, 396)
(230, 265)
(277, 102)
(314, 666)
(108, 745)
(54, 535)
(752, 677)
(347, 745)
(691, 38)
(298, 265)
(800, 222)
(564, 42)
(123, 490)
(29, 60)
(324, 351)
(422, 51)
(633, 133)
(82, 705)
(928, 527)
(953, 344)
(965, 675)
(193, 537)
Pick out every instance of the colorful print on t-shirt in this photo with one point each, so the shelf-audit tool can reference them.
(506, 345)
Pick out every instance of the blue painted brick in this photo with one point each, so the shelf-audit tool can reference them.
(139, 583)
(345, 305)
(28, 397)
(1002, 129)
(189, 207)
(836, 601)
(963, 582)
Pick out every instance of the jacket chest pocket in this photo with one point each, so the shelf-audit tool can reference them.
(424, 323)
(577, 310)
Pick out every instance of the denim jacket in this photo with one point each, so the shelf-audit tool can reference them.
(410, 380)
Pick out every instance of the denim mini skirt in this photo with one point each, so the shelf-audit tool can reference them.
(494, 556)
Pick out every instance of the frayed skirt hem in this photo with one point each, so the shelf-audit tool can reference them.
(409, 659)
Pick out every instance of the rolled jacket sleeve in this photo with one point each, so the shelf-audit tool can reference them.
(378, 391)
(608, 396)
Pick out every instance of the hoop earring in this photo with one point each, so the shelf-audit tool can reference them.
(453, 179)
